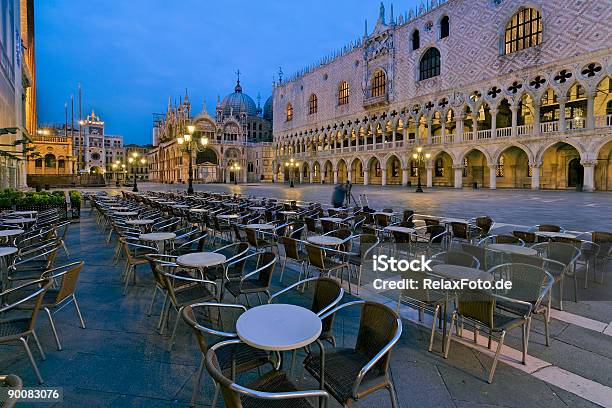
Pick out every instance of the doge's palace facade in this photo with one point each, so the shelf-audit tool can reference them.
(502, 93)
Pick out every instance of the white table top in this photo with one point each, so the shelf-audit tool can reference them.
(397, 228)
(450, 220)
(201, 259)
(118, 208)
(7, 250)
(180, 206)
(126, 213)
(257, 208)
(157, 236)
(513, 249)
(278, 327)
(18, 220)
(24, 212)
(331, 219)
(555, 234)
(139, 222)
(288, 212)
(456, 272)
(260, 226)
(228, 216)
(199, 210)
(324, 240)
(11, 232)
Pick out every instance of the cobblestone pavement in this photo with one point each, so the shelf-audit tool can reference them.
(120, 360)
(570, 209)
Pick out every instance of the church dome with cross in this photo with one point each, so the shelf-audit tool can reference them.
(238, 102)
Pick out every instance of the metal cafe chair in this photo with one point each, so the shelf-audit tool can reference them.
(19, 328)
(272, 390)
(255, 281)
(352, 373)
(214, 322)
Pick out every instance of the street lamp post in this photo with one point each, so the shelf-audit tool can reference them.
(291, 165)
(115, 167)
(420, 158)
(235, 168)
(188, 145)
(134, 162)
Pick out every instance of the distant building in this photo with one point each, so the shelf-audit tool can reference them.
(508, 93)
(238, 142)
(137, 168)
(95, 150)
(17, 88)
(51, 152)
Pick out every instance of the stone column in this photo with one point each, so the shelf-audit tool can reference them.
(366, 177)
(349, 175)
(383, 181)
(536, 119)
(429, 169)
(589, 175)
(458, 169)
(590, 118)
(404, 177)
(301, 175)
(311, 176)
(443, 124)
(493, 113)
(459, 127)
(535, 176)
(561, 114)
(429, 123)
(492, 176)
(514, 110)
(475, 125)
(335, 176)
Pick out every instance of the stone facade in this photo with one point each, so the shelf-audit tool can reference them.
(482, 111)
(17, 95)
(138, 170)
(51, 152)
(239, 135)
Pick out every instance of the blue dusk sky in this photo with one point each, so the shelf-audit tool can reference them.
(130, 56)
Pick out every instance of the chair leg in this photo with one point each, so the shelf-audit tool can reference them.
(546, 333)
(282, 270)
(150, 311)
(196, 384)
(575, 286)
(78, 310)
(392, 395)
(57, 340)
(433, 327)
(42, 353)
(176, 322)
(65, 249)
(161, 313)
(497, 353)
(127, 278)
(448, 337)
(216, 396)
(31, 357)
(561, 293)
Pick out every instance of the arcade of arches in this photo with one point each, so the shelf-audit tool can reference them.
(556, 165)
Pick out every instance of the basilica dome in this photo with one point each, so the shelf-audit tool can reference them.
(238, 102)
(267, 109)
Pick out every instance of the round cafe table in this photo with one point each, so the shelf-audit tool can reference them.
(278, 327)
(201, 259)
(258, 208)
(456, 272)
(24, 213)
(397, 228)
(4, 252)
(513, 249)
(451, 220)
(324, 240)
(140, 222)
(331, 219)
(550, 234)
(118, 208)
(126, 213)
(18, 221)
(288, 213)
(180, 206)
(198, 210)
(159, 238)
(260, 226)
(11, 233)
(228, 216)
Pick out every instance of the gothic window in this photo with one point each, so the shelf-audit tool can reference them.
(289, 112)
(416, 40)
(414, 169)
(312, 104)
(523, 31)
(49, 160)
(500, 166)
(38, 163)
(343, 93)
(440, 168)
(465, 167)
(379, 83)
(395, 169)
(444, 27)
(430, 64)
(377, 169)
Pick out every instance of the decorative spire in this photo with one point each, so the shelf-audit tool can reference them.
(238, 88)
(365, 34)
(381, 14)
(391, 21)
(280, 75)
(204, 110)
(186, 97)
(218, 101)
(258, 100)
